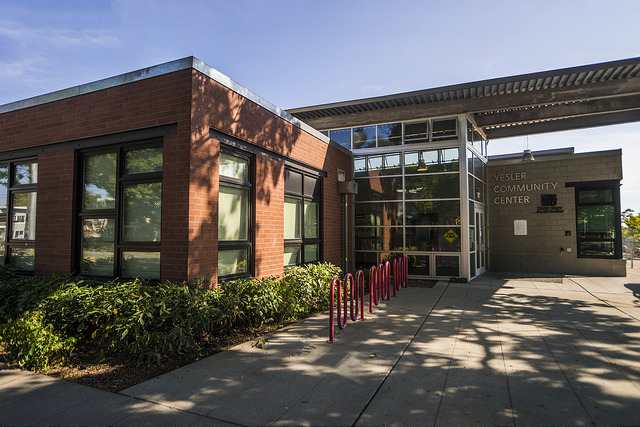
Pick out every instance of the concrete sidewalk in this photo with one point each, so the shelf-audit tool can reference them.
(497, 351)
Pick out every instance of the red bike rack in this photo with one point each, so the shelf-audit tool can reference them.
(352, 289)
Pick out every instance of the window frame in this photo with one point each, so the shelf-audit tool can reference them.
(14, 188)
(248, 185)
(615, 202)
(302, 198)
(117, 213)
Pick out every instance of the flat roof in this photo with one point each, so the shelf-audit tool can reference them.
(161, 69)
(570, 98)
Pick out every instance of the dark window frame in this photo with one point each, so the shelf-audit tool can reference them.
(248, 185)
(302, 197)
(614, 187)
(15, 188)
(117, 212)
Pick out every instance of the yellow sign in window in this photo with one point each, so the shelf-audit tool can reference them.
(450, 235)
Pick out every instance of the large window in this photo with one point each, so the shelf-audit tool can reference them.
(302, 203)
(235, 257)
(598, 222)
(18, 181)
(120, 212)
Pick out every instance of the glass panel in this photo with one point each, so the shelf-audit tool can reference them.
(360, 166)
(23, 215)
(143, 160)
(378, 238)
(596, 222)
(26, 173)
(364, 137)
(477, 166)
(291, 255)
(450, 159)
(232, 261)
(472, 264)
(596, 248)
(389, 213)
(444, 129)
(389, 134)
(444, 186)
(416, 132)
(292, 182)
(292, 218)
(311, 253)
(233, 213)
(142, 203)
(470, 162)
(22, 258)
(472, 238)
(418, 265)
(97, 246)
(99, 181)
(374, 164)
(447, 266)
(373, 189)
(392, 165)
(441, 239)
(472, 218)
(479, 190)
(311, 220)
(342, 137)
(364, 261)
(145, 265)
(4, 184)
(433, 213)
(428, 162)
(595, 196)
(233, 166)
(312, 187)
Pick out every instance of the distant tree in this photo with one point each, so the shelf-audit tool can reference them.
(632, 224)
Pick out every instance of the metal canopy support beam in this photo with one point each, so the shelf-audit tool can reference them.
(581, 122)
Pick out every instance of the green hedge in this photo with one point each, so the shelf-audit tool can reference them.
(43, 319)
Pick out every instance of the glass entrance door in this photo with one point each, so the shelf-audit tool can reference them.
(481, 258)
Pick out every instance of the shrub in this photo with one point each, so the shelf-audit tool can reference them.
(43, 318)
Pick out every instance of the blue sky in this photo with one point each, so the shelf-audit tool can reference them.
(303, 52)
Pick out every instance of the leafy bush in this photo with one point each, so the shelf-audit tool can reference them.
(42, 319)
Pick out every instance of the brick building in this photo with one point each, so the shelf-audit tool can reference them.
(171, 173)
(175, 171)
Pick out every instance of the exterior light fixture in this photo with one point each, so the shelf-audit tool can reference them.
(527, 156)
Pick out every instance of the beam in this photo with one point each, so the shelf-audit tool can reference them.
(565, 124)
(562, 111)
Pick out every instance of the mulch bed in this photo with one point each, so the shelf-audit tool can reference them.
(118, 371)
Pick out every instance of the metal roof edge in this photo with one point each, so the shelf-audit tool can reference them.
(161, 69)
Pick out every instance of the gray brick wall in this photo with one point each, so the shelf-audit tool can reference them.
(550, 243)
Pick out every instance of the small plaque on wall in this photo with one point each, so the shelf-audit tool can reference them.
(520, 227)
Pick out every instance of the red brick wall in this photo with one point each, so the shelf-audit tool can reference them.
(190, 186)
(215, 106)
(55, 212)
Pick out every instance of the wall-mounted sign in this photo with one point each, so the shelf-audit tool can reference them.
(549, 204)
(507, 183)
(520, 227)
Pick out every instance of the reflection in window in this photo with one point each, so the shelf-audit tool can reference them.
(364, 137)
(389, 134)
(342, 137)
(416, 132)
(99, 182)
(121, 186)
(444, 129)
(235, 239)
(302, 219)
(598, 222)
(18, 213)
